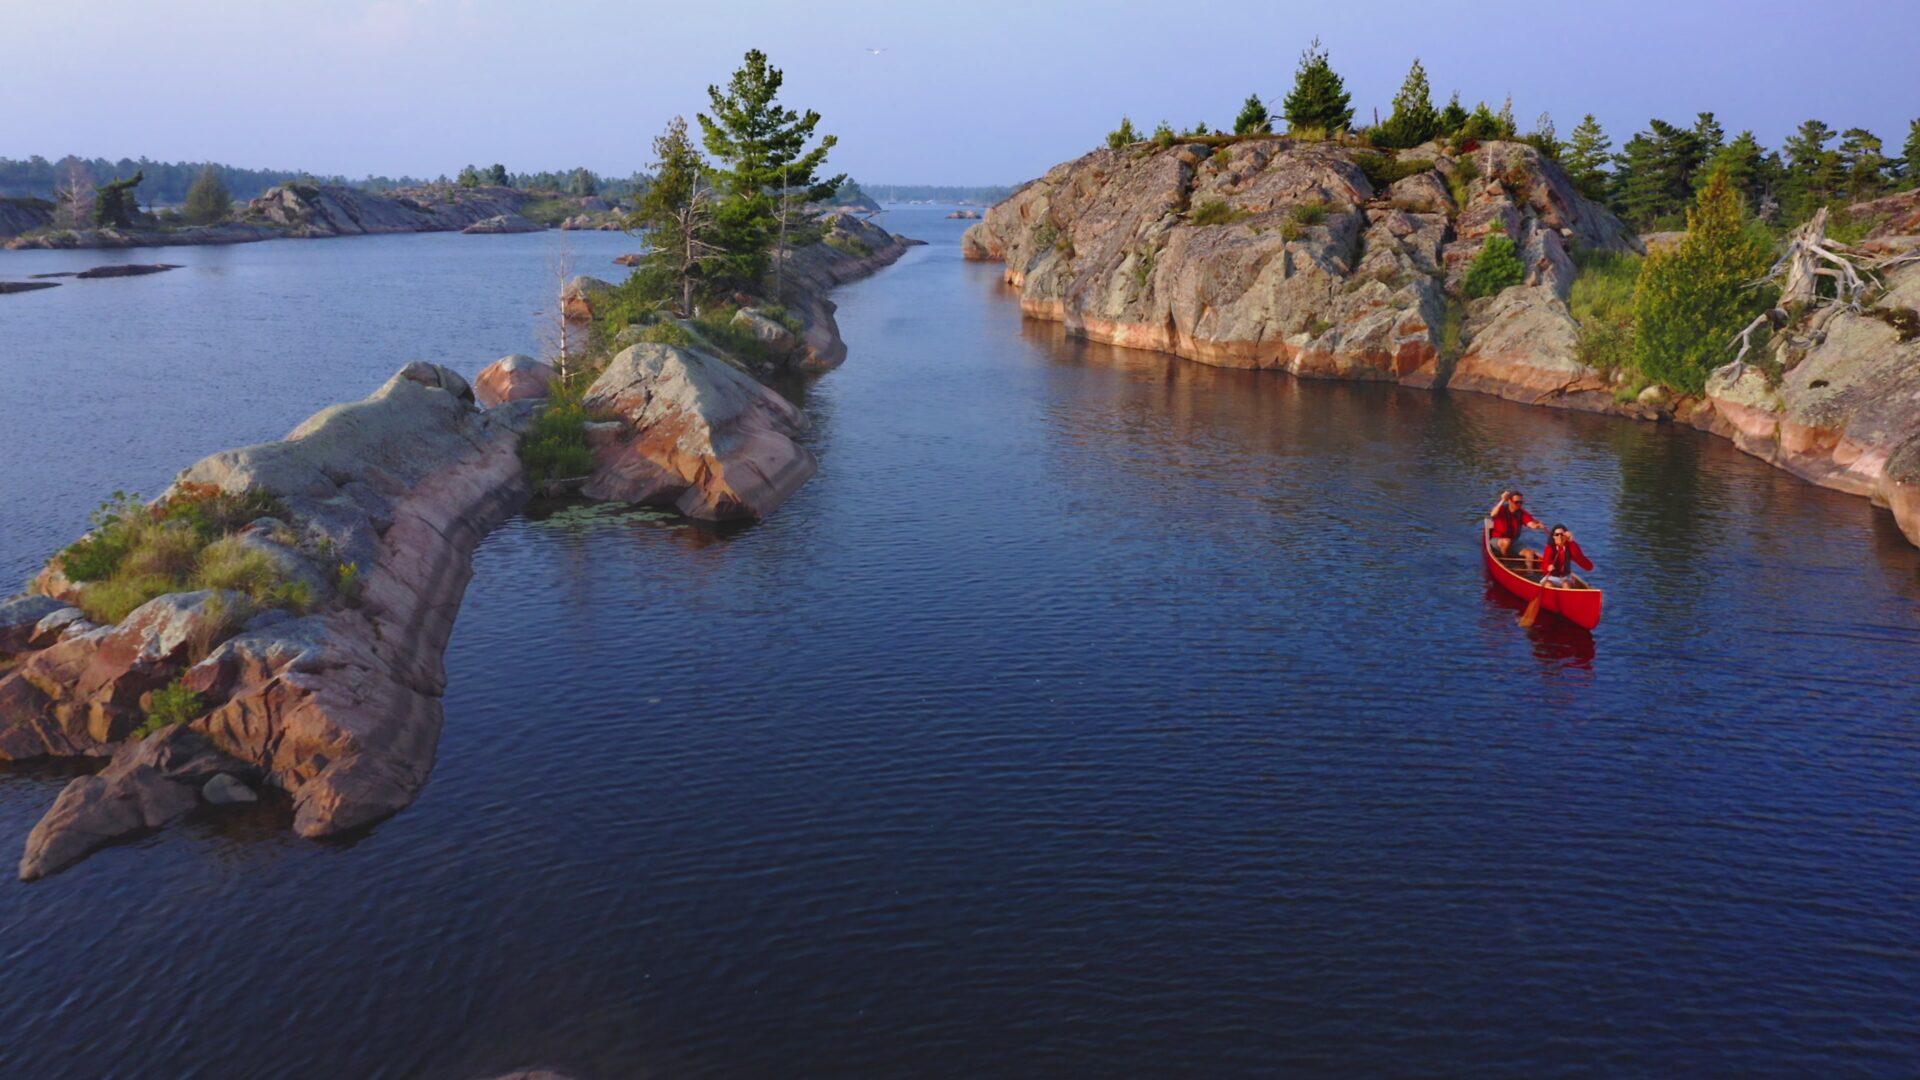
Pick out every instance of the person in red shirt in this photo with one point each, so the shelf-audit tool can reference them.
(1560, 557)
(1509, 517)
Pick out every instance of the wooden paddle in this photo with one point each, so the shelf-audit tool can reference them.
(1533, 608)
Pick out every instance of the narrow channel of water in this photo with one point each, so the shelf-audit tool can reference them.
(1091, 711)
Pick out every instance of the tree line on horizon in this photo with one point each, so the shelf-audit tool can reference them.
(1651, 182)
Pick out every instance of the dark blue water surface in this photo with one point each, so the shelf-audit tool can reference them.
(1091, 712)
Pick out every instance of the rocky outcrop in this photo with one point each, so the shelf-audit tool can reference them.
(127, 270)
(1272, 253)
(503, 223)
(578, 296)
(339, 708)
(513, 378)
(318, 210)
(695, 433)
(850, 248)
(1845, 413)
(19, 215)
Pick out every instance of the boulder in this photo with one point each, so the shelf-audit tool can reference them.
(513, 378)
(772, 334)
(20, 618)
(579, 295)
(503, 223)
(226, 790)
(629, 259)
(149, 784)
(699, 434)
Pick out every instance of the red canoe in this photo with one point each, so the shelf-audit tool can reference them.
(1581, 606)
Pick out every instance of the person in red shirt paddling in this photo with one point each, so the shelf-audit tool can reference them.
(1560, 557)
(1509, 516)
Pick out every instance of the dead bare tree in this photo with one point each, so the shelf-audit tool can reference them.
(76, 196)
(1809, 258)
(560, 341)
(692, 224)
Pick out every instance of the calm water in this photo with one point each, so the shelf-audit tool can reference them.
(1090, 712)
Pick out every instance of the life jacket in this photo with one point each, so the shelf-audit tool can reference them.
(1557, 561)
(1507, 521)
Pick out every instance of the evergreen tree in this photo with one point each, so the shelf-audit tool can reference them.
(1453, 116)
(677, 213)
(497, 176)
(1319, 100)
(761, 159)
(1508, 128)
(1481, 124)
(1654, 173)
(469, 177)
(1544, 136)
(1123, 136)
(1910, 168)
(1694, 297)
(1253, 117)
(1711, 135)
(1588, 152)
(1813, 170)
(1497, 266)
(208, 200)
(581, 182)
(1414, 120)
(1864, 163)
(1747, 166)
(114, 204)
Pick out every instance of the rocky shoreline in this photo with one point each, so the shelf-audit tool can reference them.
(379, 506)
(1331, 261)
(310, 211)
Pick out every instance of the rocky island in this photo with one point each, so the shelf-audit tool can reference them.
(276, 619)
(1335, 260)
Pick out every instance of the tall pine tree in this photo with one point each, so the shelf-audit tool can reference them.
(1319, 101)
(208, 200)
(1414, 120)
(1588, 151)
(1864, 162)
(1813, 170)
(1910, 170)
(677, 213)
(1654, 174)
(761, 158)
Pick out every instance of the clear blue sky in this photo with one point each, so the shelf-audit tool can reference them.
(964, 93)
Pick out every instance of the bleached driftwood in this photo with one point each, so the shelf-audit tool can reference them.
(1809, 257)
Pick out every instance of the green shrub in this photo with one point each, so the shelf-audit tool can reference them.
(1497, 267)
(852, 245)
(666, 332)
(1143, 268)
(1216, 212)
(1383, 171)
(1123, 136)
(555, 448)
(1163, 136)
(1045, 235)
(115, 598)
(1694, 297)
(231, 564)
(1602, 303)
(1309, 213)
(346, 582)
(171, 704)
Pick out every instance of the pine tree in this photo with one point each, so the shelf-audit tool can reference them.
(761, 158)
(1508, 128)
(1864, 163)
(1694, 297)
(1910, 170)
(496, 175)
(677, 213)
(208, 200)
(1588, 152)
(1481, 124)
(1544, 136)
(1654, 173)
(1747, 167)
(1253, 117)
(1453, 116)
(469, 177)
(1496, 267)
(113, 203)
(1414, 119)
(1813, 171)
(1319, 101)
(1123, 136)
(582, 183)
(1711, 135)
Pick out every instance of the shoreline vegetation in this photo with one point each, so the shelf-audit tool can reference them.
(1444, 249)
(276, 619)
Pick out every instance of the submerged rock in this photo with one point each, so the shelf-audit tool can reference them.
(698, 434)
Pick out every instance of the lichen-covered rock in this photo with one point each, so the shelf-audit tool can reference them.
(513, 378)
(1281, 254)
(699, 434)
